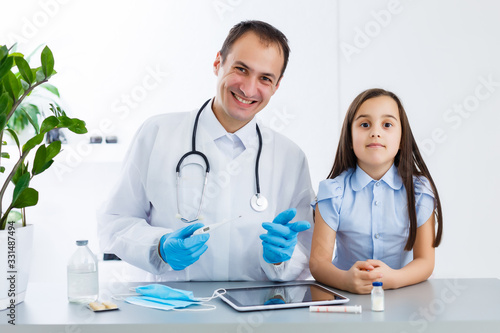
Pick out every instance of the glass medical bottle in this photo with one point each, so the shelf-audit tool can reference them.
(377, 297)
(83, 278)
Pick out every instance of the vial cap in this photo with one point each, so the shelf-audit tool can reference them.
(82, 242)
(377, 284)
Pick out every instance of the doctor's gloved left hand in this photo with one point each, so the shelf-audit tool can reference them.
(281, 237)
(180, 249)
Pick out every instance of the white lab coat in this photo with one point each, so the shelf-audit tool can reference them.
(143, 205)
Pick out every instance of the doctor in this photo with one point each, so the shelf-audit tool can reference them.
(235, 169)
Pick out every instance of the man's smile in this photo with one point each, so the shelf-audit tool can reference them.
(240, 99)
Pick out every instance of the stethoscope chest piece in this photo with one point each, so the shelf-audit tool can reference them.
(259, 203)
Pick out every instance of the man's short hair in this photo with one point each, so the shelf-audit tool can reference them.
(267, 34)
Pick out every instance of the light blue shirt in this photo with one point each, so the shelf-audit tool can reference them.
(370, 217)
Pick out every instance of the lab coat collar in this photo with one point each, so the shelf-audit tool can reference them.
(247, 134)
(361, 179)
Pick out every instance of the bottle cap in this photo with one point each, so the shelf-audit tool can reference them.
(82, 242)
(377, 284)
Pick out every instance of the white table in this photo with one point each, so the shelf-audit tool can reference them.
(437, 305)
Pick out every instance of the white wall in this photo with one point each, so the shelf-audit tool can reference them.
(434, 55)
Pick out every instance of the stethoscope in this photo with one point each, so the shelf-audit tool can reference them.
(258, 202)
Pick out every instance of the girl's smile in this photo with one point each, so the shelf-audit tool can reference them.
(375, 145)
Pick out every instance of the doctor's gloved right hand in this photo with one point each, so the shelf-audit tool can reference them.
(180, 249)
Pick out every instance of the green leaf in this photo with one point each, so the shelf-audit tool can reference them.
(3, 121)
(21, 185)
(48, 124)
(75, 125)
(4, 52)
(16, 54)
(5, 103)
(39, 75)
(47, 62)
(25, 70)
(56, 110)
(78, 126)
(53, 149)
(46, 166)
(23, 169)
(6, 66)
(2, 169)
(11, 85)
(29, 197)
(5, 155)
(19, 120)
(14, 136)
(34, 141)
(40, 160)
(64, 121)
(14, 216)
(51, 88)
(25, 85)
(30, 119)
(43, 158)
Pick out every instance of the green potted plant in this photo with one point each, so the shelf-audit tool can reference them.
(27, 115)
(17, 81)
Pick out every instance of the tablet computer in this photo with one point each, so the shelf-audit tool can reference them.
(281, 296)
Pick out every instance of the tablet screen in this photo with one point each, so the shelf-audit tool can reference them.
(281, 296)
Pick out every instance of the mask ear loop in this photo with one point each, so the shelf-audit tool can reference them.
(207, 307)
(216, 293)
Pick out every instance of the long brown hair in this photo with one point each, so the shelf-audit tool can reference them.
(408, 161)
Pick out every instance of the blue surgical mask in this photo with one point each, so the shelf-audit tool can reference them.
(162, 297)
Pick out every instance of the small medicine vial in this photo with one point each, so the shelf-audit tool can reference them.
(377, 297)
(83, 278)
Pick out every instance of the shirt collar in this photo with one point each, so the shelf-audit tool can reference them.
(247, 134)
(361, 179)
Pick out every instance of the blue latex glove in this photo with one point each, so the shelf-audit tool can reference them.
(180, 250)
(281, 237)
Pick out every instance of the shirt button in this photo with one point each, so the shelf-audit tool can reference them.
(377, 184)
(377, 236)
(376, 203)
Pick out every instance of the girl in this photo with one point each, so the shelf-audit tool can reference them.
(379, 203)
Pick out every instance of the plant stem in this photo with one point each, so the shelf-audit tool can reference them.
(1, 143)
(14, 107)
(11, 175)
(26, 93)
(22, 157)
(3, 221)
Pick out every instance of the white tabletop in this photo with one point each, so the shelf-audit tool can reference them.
(437, 305)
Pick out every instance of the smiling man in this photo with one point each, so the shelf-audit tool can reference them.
(189, 170)
(247, 76)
